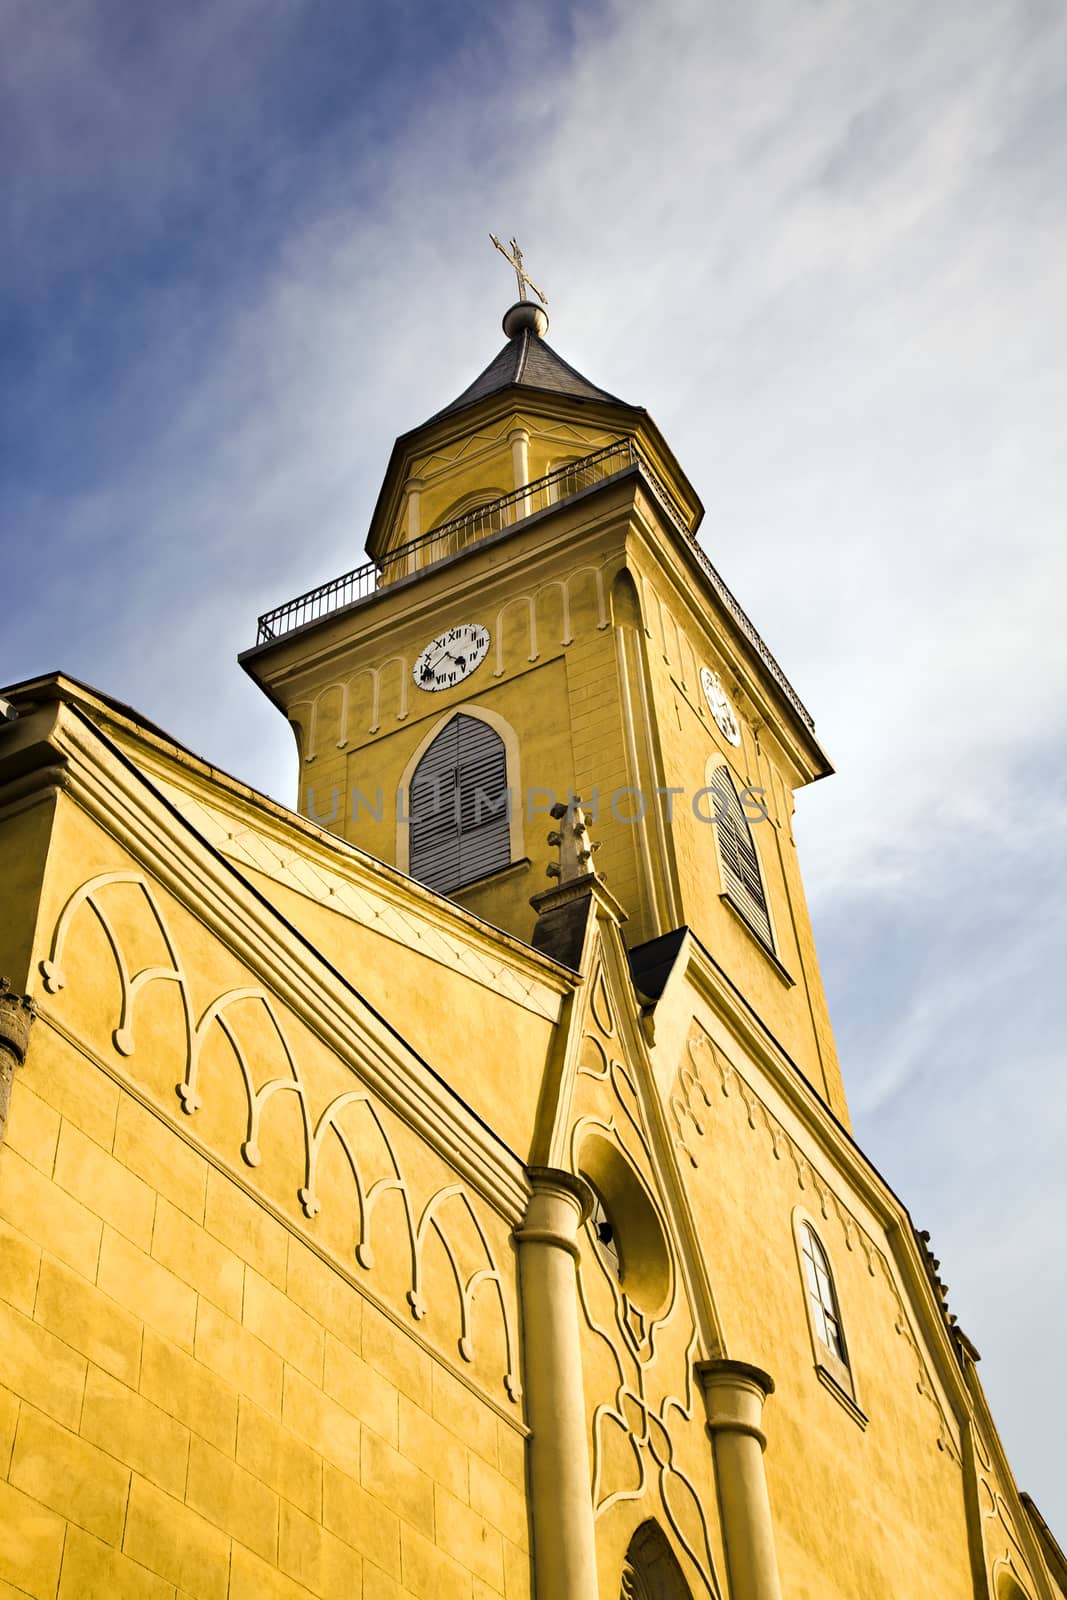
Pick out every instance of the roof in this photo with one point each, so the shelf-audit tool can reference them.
(652, 963)
(527, 361)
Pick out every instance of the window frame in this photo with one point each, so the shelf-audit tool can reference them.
(836, 1372)
(512, 779)
(714, 767)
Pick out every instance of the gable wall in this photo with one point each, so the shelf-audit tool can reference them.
(213, 1381)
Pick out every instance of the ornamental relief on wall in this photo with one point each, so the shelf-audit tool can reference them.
(649, 1451)
(706, 1077)
(139, 984)
(1003, 1545)
(525, 629)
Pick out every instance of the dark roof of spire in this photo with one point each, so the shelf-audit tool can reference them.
(527, 361)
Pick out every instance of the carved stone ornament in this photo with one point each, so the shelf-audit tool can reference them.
(16, 1014)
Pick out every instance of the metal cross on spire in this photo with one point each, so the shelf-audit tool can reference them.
(514, 255)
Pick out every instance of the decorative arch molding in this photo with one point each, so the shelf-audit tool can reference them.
(506, 732)
(651, 1570)
(517, 600)
(1006, 1585)
(469, 501)
(304, 727)
(271, 1075)
(642, 1435)
(345, 686)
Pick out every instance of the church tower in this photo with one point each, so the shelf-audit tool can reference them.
(535, 621)
(384, 1215)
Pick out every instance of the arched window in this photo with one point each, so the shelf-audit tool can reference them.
(606, 1237)
(458, 804)
(829, 1343)
(650, 1570)
(823, 1301)
(742, 881)
(482, 514)
(571, 478)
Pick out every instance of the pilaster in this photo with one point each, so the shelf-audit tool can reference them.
(564, 1543)
(734, 1393)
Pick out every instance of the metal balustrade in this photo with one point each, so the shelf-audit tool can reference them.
(452, 539)
(484, 522)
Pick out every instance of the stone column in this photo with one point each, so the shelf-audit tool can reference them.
(734, 1394)
(413, 514)
(564, 1547)
(519, 440)
(16, 1014)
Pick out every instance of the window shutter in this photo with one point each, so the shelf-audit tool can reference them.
(460, 828)
(742, 881)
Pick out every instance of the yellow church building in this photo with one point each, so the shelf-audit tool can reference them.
(445, 1189)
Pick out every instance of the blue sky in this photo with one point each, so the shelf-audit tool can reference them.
(246, 245)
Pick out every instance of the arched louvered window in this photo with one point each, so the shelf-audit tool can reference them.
(742, 880)
(458, 805)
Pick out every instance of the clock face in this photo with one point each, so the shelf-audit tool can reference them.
(719, 706)
(452, 656)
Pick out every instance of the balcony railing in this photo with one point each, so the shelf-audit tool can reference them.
(748, 628)
(453, 538)
(484, 522)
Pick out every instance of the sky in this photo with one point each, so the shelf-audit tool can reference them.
(824, 243)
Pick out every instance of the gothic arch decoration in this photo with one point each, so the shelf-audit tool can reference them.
(304, 727)
(516, 602)
(598, 581)
(308, 725)
(637, 1434)
(352, 1118)
(703, 1057)
(510, 739)
(1012, 1578)
(1006, 1585)
(563, 586)
(650, 1570)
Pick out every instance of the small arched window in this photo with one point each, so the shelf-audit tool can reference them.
(566, 478)
(606, 1237)
(742, 881)
(650, 1570)
(821, 1295)
(458, 804)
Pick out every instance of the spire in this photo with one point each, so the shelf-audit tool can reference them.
(527, 362)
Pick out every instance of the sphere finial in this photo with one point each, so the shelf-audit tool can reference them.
(524, 314)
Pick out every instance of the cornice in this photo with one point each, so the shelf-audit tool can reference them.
(681, 568)
(583, 518)
(151, 751)
(106, 784)
(335, 858)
